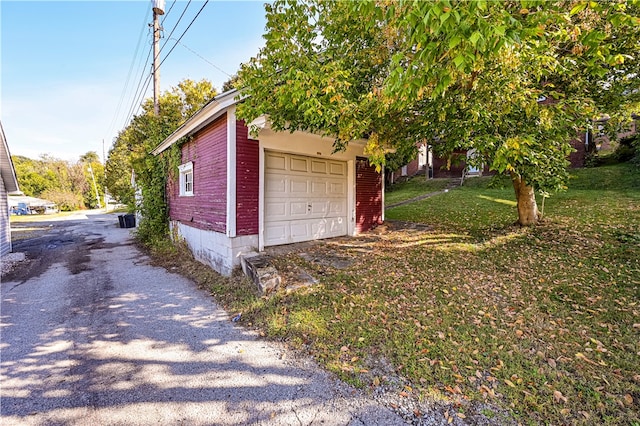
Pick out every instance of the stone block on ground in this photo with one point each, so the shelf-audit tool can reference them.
(264, 275)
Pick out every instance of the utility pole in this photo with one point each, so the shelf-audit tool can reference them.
(158, 9)
(104, 163)
(95, 187)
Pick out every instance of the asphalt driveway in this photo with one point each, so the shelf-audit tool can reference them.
(93, 334)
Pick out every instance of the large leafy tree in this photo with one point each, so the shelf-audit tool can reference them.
(131, 151)
(62, 182)
(146, 130)
(93, 171)
(513, 80)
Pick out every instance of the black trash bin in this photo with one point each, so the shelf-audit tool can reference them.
(121, 220)
(129, 220)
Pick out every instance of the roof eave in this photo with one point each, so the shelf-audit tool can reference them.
(7, 171)
(211, 111)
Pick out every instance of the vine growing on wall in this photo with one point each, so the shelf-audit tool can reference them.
(132, 151)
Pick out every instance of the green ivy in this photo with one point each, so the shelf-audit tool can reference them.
(132, 150)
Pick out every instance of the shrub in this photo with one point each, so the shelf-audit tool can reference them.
(627, 149)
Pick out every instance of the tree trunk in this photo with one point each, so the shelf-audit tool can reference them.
(526, 198)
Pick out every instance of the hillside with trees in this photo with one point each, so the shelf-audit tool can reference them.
(68, 184)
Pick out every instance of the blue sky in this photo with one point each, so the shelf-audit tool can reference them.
(64, 65)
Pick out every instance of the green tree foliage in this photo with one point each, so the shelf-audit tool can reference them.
(62, 182)
(130, 153)
(512, 80)
(33, 176)
(93, 170)
(230, 84)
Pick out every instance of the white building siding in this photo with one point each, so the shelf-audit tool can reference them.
(5, 227)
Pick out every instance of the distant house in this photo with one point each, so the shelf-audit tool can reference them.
(456, 165)
(233, 194)
(8, 183)
(437, 167)
(602, 140)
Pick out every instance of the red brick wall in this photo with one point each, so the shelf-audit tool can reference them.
(457, 166)
(368, 195)
(207, 208)
(577, 158)
(247, 181)
(412, 169)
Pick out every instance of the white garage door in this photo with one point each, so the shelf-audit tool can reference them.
(305, 198)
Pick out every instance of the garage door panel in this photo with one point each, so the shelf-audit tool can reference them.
(299, 230)
(337, 208)
(299, 164)
(339, 169)
(337, 189)
(319, 229)
(318, 166)
(318, 208)
(276, 233)
(275, 184)
(286, 232)
(337, 226)
(318, 188)
(299, 209)
(305, 199)
(276, 210)
(275, 161)
(298, 186)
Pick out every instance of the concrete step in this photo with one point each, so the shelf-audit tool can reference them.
(258, 268)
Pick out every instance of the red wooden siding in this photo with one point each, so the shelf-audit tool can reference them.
(368, 196)
(247, 181)
(207, 208)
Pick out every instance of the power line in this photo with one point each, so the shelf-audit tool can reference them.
(203, 58)
(139, 96)
(184, 32)
(143, 83)
(134, 102)
(168, 11)
(126, 84)
(175, 26)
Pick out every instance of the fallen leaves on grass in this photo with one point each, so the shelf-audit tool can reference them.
(558, 397)
(480, 310)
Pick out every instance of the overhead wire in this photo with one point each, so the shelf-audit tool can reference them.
(203, 58)
(139, 94)
(130, 72)
(143, 84)
(135, 103)
(168, 12)
(174, 27)
(184, 32)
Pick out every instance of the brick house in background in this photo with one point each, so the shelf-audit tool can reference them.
(602, 141)
(235, 194)
(438, 167)
(454, 167)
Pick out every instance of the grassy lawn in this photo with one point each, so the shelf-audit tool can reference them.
(414, 187)
(474, 315)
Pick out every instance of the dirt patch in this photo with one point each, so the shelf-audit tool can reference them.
(27, 232)
(327, 259)
(10, 261)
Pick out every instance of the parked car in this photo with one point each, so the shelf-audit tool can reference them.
(20, 210)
